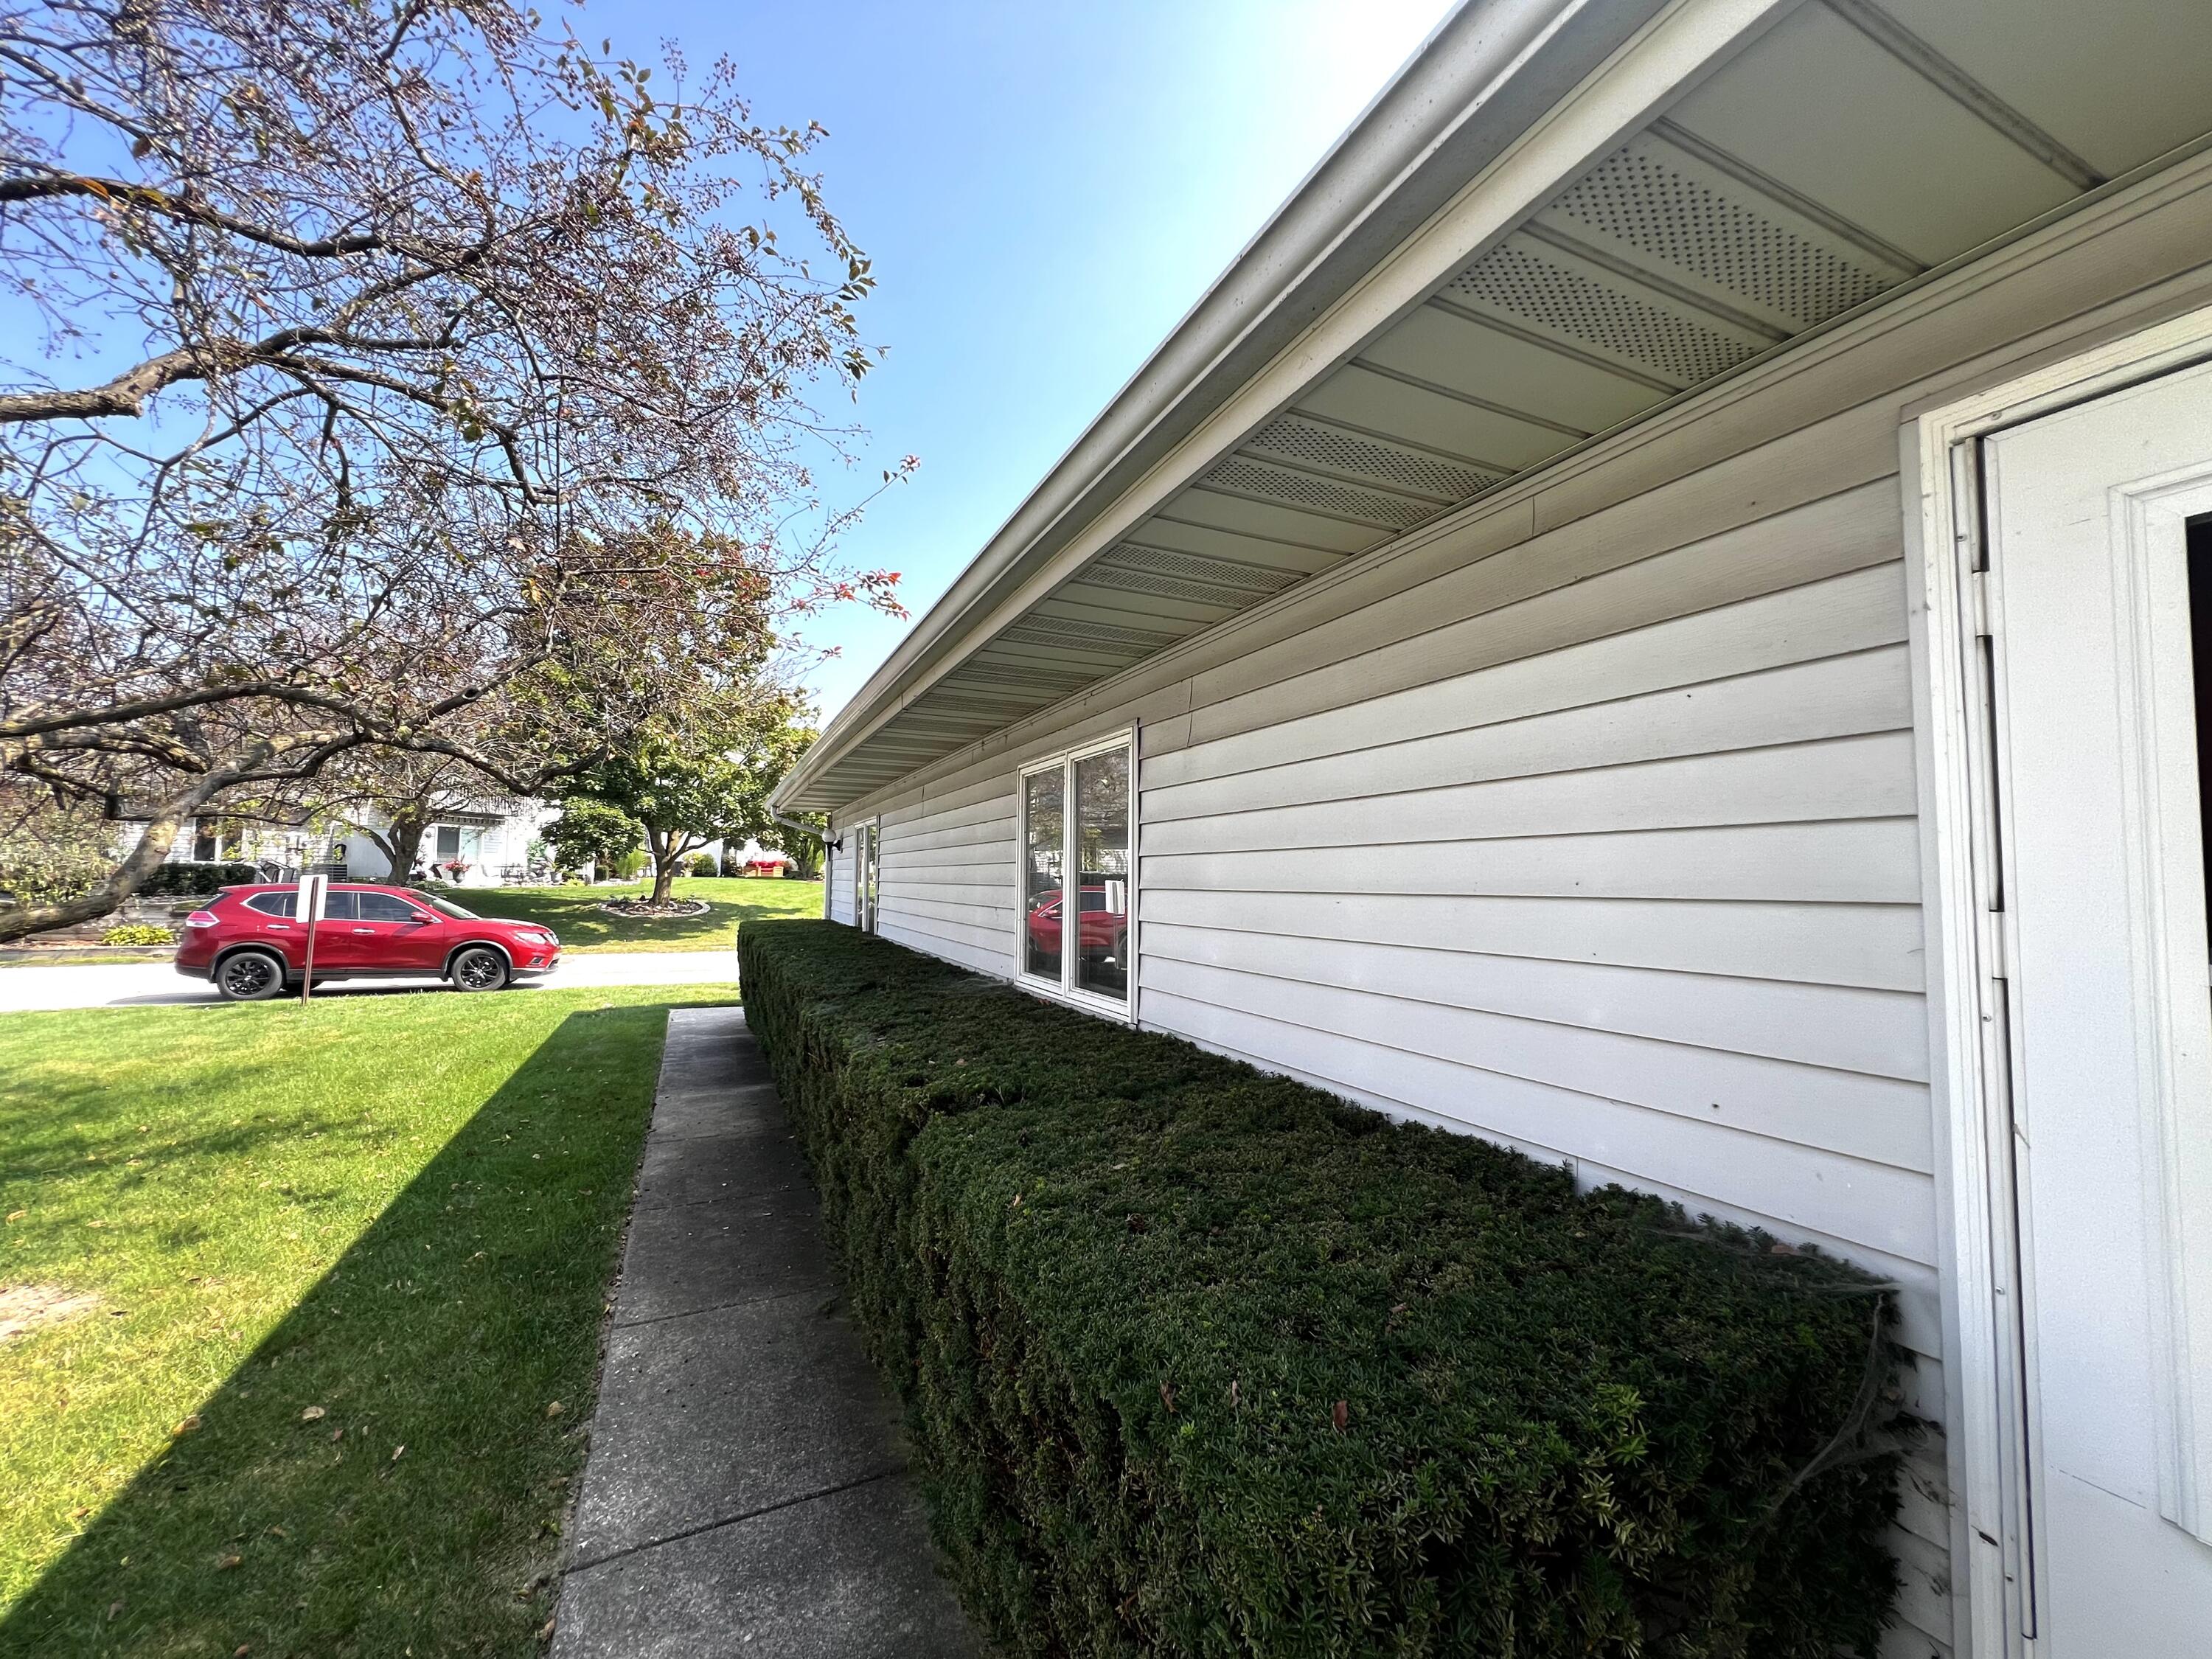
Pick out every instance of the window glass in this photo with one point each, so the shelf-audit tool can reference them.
(338, 906)
(1102, 838)
(445, 906)
(1044, 820)
(868, 877)
(385, 907)
(449, 842)
(274, 904)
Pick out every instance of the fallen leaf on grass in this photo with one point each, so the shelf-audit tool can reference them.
(555, 1409)
(18, 1215)
(313, 1414)
(545, 1631)
(189, 1425)
(399, 1452)
(1340, 1414)
(229, 1562)
(114, 1607)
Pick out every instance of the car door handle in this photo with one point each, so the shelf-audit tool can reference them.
(277, 927)
(364, 930)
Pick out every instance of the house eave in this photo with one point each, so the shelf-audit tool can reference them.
(1486, 74)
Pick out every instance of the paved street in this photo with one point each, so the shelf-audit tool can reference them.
(142, 984)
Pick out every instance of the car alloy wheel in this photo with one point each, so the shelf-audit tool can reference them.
(480, 968)
(249, 976)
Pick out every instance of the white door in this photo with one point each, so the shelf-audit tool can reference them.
(2103, 950)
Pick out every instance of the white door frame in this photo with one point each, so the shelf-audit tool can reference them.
(1965, 941)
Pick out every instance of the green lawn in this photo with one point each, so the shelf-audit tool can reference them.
(574, 912)
(346, 1259)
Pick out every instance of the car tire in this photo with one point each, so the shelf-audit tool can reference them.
(249, 976)
(479, 968)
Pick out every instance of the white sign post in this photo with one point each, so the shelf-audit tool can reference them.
(309, 912)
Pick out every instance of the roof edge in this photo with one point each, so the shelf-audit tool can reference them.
(1482, 77)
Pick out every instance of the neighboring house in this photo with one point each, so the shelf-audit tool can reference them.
(1649, 617)
(493, 844)
(749, 855)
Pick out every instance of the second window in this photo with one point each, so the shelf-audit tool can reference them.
(1079, 873)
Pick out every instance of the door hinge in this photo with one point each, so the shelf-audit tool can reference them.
(1993, 946)
(1977, 593)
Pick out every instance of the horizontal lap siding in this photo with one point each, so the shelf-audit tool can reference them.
(1586, 822)
(946, 873)
(1677, 781)
(837, 871)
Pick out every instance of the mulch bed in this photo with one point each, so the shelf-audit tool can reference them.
(647, 907)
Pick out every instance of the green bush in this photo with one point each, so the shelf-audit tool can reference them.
(703, 864)
(189, 880)
(139, 933)
(1200, 1361)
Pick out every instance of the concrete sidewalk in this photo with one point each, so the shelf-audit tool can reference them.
(745, 1493)
(149, 984)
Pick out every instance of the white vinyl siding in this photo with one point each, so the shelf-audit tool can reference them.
(950, 874)
(1586, 819)
(837, 872)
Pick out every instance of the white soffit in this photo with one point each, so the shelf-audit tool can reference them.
(1847, 149)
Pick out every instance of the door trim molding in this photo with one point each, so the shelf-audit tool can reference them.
(1974, 1235)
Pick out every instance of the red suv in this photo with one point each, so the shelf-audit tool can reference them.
(251, 944)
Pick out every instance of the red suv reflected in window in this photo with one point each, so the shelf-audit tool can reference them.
(251, 944)
(1099, 932)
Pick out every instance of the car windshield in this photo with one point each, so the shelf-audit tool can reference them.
(445, 906)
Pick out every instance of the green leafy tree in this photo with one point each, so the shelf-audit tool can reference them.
(591, 832)
(807, 846)
(781, 737)
(704, 778)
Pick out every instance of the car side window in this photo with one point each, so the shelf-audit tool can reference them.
(339, 907)
(274, 904)
(386, 907)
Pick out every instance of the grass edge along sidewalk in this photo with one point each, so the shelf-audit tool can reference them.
(1202, 1360)
(351, 1266)
(574, 912)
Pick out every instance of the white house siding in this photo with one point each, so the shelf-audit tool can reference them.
(946, 879)
(837, 871)
(1586, 820)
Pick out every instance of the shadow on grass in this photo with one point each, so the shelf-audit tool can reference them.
(385, 1472)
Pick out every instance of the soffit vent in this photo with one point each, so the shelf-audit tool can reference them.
(1243, 476)
(1070, 634)
(1015, 674)
(1639, 199)
(1298, 439)
(1522, 284)
(938, 701)
(1225, 574)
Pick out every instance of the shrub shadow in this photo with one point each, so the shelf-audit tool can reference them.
(387, 1469)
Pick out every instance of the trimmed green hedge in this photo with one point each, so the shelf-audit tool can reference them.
(187, 880)
(1200, 1361)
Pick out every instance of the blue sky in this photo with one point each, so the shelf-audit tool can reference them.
(1045, 189)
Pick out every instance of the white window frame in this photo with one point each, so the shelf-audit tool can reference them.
(867, 858)
(1064, 988)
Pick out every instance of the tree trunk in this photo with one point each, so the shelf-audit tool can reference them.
(400, 843)
(662, 846)
(148, 856)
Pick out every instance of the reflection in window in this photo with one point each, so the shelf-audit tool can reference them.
(1078, 873)
(1044, 821)
(867, 878)
(1102, 821)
